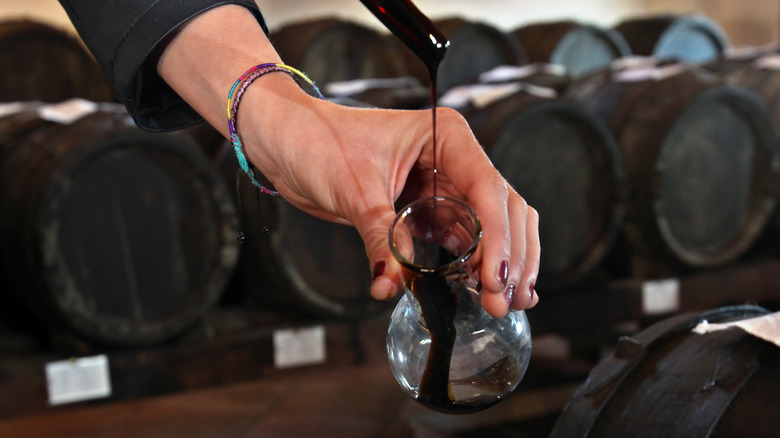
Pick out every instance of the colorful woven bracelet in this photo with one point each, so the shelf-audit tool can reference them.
(234, 98)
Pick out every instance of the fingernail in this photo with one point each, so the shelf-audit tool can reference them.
(503, 272)
(379, 269)
(510, 292)
(531, 291)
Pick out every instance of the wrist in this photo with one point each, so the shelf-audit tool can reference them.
(270, 96)
(206, 55)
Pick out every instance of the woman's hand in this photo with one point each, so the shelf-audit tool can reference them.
(351, 165)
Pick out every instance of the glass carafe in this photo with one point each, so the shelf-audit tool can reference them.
(443, 348)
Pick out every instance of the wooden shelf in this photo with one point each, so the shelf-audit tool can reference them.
(236, 345)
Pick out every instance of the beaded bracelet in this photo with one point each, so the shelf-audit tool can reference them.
(238, 89)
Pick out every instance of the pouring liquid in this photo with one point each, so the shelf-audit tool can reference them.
(437, 301)
(418, 33)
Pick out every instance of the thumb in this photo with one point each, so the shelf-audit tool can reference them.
(387, 278)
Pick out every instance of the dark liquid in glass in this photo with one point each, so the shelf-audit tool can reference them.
(439, 304)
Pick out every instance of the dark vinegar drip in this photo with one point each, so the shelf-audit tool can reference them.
(434, 102)
(437, 302)
(417, 31)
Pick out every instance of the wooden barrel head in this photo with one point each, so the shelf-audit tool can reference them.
(294, 263)
(712, 200)
(42, 63)
(331, 50)
(580, 48)
(567, 166)
(124, 236)
(700, 157)
(690, 38)
(475, 48)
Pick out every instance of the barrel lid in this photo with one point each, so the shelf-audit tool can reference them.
(567, 165)
(588, 48)
(136, 235)
(712, 195)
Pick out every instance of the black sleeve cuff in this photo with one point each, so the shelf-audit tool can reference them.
(123, 36)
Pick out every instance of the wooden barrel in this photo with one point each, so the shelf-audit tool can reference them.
(331, 50)
(760, 76)
(116, 234)
(475, 47)
(296, 264)
(42, 63)
(700, 157)
(739, 58)
(690, 38)
(667, 381)
(565, 163)
(580, 48)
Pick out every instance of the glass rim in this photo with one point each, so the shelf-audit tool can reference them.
(460, 259)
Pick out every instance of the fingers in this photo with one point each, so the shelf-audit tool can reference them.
(519, 272)
(510, 245)
(526, 297)
(386, 273)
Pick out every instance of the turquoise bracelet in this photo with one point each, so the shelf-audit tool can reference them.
(234, 98)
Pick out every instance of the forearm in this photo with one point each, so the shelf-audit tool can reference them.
(208, 54)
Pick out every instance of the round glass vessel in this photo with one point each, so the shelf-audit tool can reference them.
(443, 348)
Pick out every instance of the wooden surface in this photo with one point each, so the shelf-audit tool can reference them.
(344, 402)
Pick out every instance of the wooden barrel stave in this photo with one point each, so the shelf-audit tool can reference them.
(475, 47)
(668, 381)
(43, 63)
(296, 264)
(690, 143)
(566, 164)
(331, 50)
(122, 236)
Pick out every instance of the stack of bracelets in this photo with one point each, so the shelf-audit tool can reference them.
(234, 98)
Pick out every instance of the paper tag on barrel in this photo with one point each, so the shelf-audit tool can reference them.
(299, 346)
(78, 379)
(660, 296)
(766, 327)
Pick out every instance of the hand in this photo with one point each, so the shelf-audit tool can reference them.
(351, 165)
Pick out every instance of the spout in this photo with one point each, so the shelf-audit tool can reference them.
(412, 27)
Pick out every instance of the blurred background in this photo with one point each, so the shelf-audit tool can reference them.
(644, 131)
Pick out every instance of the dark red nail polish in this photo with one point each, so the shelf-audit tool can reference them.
(379, 269)
(503, 272)
(531, 291)
(510, 292)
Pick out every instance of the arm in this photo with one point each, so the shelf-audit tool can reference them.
(350, 165)
(126, 37)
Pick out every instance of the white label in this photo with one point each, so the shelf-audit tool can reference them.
(7, 109)
(661, 296)
(641, 74)
(75, 380)
(68, 111)
(770, 62)
(479, 95)
(355, 86)
(504, 73)
(296, 347)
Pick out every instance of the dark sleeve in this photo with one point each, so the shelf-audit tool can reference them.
(123, 35)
